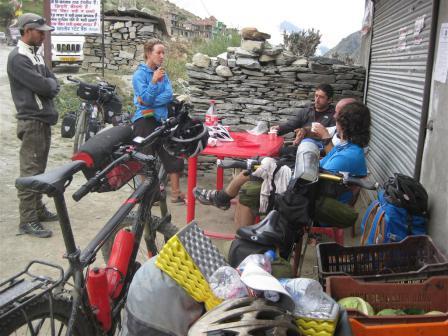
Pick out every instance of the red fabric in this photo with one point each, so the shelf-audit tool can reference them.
(83, 156)
(246, 146)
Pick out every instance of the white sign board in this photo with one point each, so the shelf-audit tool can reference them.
(76, 16)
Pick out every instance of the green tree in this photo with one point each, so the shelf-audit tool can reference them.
(6, 14)
(303, 42)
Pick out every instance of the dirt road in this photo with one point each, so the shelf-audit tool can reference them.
(87, 216)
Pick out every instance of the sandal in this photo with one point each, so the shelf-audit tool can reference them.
(178, 198)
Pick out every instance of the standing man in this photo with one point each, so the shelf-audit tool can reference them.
(33, 87)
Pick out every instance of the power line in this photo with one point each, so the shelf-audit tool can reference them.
(205, 8)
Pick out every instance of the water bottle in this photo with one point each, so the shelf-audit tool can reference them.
(211, 116)
(262, 260)
(99, 296)
(117, 265)
(307, 161)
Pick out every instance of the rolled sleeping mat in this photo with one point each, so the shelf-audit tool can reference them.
(97, 150)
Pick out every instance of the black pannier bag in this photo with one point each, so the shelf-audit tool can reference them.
(241, 248)
(88, 91)
(112, 108)
(98, 151)
(68, 125)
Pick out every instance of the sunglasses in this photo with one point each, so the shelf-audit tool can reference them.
(40, 22)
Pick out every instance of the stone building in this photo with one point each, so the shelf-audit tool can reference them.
(124, 35)
(178, 25)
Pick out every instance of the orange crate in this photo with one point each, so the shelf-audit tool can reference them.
(429, 295)
(412, 329)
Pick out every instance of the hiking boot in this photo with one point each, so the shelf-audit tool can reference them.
(210, 197)
(34, 229)
(47, 216)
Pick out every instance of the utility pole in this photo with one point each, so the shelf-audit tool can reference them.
(47, 41)
(103, 49)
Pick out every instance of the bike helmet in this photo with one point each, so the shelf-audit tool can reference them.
(187, 139)
(219, 132)
(406, 192)
(245, 316)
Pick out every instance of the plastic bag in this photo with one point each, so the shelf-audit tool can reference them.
(226, 284)
(306, 293)
(262, 127)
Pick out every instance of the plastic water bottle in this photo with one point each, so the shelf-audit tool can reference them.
(211, 116)
(307, 161)
(262, 260)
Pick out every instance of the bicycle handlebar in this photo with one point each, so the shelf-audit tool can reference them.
(251, 164)
(71, 79)
(102, 85)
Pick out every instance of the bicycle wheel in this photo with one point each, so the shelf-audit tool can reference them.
(81, 130)
(35, 319)
(155, 239)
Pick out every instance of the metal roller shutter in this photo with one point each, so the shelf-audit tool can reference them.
(395, 85)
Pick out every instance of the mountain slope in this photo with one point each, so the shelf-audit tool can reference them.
(348, 46)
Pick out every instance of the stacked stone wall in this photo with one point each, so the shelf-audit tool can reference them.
(257, 82)
(123, 43)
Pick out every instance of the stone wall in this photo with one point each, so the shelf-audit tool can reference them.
(259, 82)
(123, 42)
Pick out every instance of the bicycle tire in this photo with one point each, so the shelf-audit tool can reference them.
(81, 130)
(38, 315)
(161, 236)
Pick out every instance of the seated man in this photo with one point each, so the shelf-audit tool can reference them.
(353, 128)
(321, 111)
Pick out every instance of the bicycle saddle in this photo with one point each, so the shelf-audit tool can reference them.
(51, 182)
(267, 232)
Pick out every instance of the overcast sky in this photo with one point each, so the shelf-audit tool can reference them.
(334, 18)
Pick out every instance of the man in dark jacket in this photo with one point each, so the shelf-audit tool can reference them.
(321, 111)
(33, 87)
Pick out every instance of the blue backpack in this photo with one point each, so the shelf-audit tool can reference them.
(400, 211)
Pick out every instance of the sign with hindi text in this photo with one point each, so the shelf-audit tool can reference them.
(78, 17)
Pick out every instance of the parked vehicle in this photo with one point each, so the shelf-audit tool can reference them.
(13, 37)
(67, 49)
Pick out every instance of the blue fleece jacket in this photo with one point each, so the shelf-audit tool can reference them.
(150, 99)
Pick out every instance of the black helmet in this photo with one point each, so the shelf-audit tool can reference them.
(187, 139)
(406, 192)
(245, 316)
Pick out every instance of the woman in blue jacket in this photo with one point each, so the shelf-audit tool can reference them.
(152, 94)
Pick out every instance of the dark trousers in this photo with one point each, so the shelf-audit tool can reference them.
(144, 127)
(36, 137)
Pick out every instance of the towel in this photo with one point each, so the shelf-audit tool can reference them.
(266, 172)
(281, 179)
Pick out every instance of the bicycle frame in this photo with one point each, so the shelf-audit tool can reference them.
(79, 260)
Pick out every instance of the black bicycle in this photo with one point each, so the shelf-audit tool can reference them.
(84, 300)
(100, 105)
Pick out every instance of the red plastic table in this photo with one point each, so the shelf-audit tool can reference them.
(245, 146)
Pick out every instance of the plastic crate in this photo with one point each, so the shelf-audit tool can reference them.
(429, 295)
(414, 259)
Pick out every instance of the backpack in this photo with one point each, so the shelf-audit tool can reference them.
(400, 211)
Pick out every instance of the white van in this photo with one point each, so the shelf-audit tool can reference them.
(67, 49)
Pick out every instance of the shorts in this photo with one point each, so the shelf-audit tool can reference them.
(145, 126)
(249, 194)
